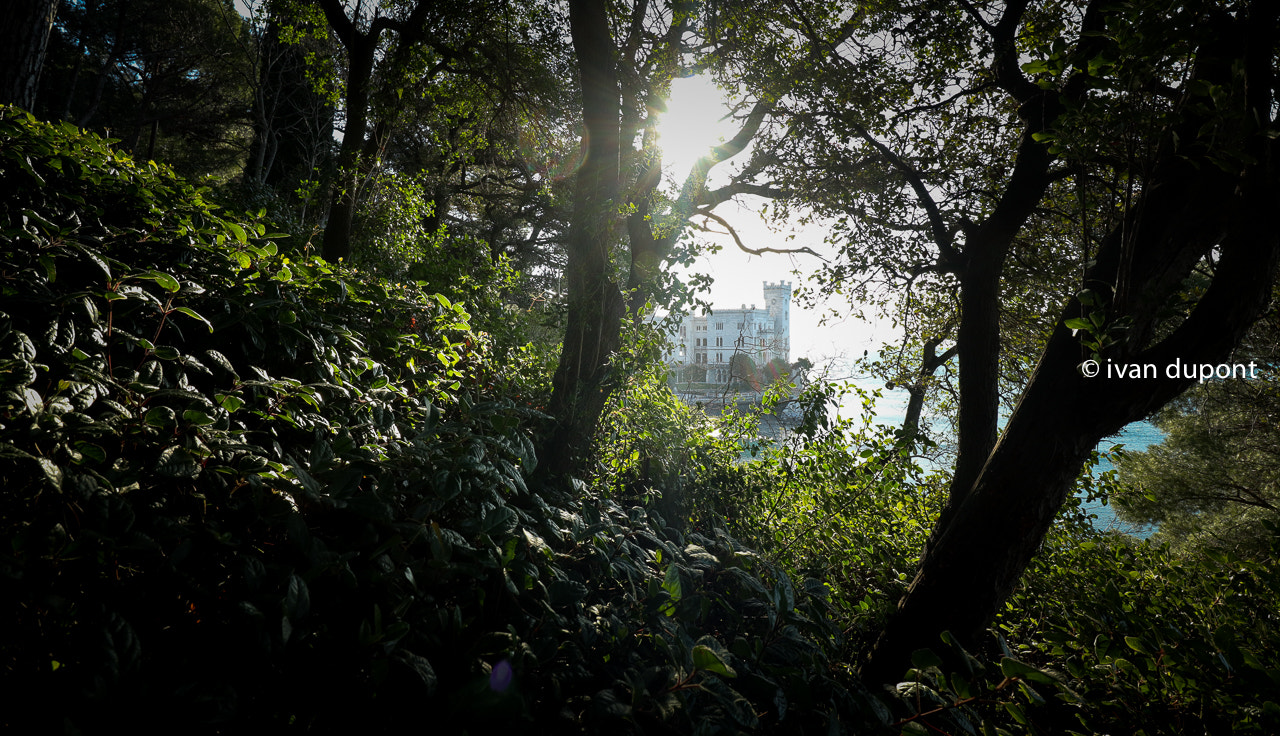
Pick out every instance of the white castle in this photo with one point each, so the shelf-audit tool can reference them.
(704, 345)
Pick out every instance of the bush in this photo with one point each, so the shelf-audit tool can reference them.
(245, 492)
(1149, 641)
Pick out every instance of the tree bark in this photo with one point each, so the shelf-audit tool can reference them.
(595, 306)
(25, 26)
(930, 362)
(612, 115)
(361, 50)
(986, 249)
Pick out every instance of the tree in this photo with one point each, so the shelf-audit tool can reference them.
(951, 173)
(1215, 479)
(371, 59)
(24, 30)
(743, 373)
(492, 150)
(777, 370)
(168, 79)
(930, 361)
(1211, 181)
(624, 75)
(292, 120)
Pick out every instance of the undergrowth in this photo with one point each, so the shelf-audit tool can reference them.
(244, 490)
(249, 490)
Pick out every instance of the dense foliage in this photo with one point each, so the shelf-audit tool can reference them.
(1212, 482)
(245, 489)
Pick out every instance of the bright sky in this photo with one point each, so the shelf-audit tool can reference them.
(691, 126)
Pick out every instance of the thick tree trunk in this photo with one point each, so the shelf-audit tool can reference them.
(1191, 209)
(986, 249)
(592, 334)
(351, 166)
(25, 26)
(973, 564)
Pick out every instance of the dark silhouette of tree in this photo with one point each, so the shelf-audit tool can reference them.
(1047, 176)
(616, 203)
(25, 26)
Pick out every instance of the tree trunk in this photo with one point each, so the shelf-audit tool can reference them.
(930, 362)
(351, 166)
(595, 306)
(977, 346)
(357, 155)
(25, 26)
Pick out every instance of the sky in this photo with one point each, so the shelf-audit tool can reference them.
(691, 125)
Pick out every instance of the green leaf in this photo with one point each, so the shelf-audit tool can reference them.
(1015, 710)
(1039, 66)
(1014, 669)
(194, 315)
(52, 472)
(160, 416)
(1136, 644)
(176, 462)
(421, 667)
(90, 451)
(50, 269)
(221, 361)
(923, 659)
(166, 282)
(297, 599)
(671, 584)
(238, 231)
(197, 417)
(705, 658)
(229, 402)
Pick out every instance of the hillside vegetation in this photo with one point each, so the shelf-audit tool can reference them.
(246, 490)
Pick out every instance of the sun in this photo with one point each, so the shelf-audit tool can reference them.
(693, 124)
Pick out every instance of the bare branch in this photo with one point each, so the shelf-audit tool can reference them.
(729, 191)
(742, 246)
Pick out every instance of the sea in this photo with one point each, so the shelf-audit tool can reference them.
(1135, 437)
(890, 409)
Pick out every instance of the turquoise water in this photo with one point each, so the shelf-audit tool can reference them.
(1136, 437)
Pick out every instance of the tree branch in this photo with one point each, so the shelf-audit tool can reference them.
(943, 236)
(742, 246)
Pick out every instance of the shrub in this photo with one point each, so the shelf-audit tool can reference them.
(245, 491)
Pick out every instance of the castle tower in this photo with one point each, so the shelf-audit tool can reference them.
(777, 299)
